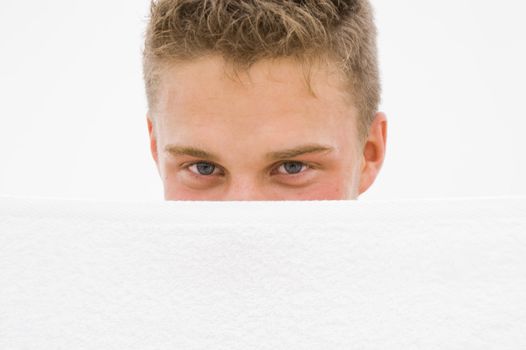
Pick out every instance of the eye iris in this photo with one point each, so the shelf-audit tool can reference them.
(205, 168)
(293, 168)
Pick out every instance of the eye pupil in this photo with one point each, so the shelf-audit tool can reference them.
(293, 168)
(205, 168)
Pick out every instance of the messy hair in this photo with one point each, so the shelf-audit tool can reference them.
(341, 32)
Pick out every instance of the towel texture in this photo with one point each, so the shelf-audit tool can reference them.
(406, 274)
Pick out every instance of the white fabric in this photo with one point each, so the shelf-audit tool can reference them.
(407, 274)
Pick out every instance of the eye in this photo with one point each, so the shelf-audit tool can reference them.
(292, 168)
(202, 168)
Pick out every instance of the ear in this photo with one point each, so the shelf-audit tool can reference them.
(373, 151)
(153, 141)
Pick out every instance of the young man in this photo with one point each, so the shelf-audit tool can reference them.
(264, 99)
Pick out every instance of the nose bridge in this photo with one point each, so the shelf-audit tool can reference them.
(244, 188)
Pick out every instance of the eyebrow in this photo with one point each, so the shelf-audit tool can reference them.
(178, 150)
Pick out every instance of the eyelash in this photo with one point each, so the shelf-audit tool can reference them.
(306, 165)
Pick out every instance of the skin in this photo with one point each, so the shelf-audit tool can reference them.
(267, 109)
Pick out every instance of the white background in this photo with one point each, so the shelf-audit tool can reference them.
(73, 108)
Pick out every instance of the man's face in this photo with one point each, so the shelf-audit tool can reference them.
(265, 137)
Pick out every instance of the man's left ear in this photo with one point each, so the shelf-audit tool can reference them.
(373, 151)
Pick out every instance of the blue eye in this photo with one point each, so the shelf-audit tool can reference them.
(292, 168)
(204, 168)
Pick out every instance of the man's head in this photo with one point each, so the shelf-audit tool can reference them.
(263, 99)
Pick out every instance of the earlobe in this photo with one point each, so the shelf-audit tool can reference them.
(373, 152)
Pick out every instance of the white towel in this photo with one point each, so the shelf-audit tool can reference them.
(406, 274)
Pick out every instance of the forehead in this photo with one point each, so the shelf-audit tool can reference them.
(210, 78)
(204, 98)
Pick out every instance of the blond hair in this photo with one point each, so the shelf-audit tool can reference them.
(246, 31)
